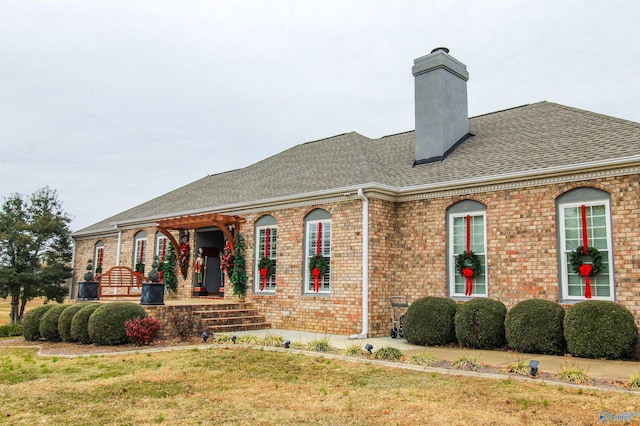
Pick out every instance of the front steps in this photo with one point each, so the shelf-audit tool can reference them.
(227, 318)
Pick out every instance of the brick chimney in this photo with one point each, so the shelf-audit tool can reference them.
(442, 120)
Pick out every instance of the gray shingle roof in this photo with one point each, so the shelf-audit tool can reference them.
(528, 138)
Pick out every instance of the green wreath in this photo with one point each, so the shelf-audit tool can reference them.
(468, 259)
(265, 262)
(318, 261)
(576, 256)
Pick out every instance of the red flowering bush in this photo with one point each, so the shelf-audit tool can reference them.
(142, 331)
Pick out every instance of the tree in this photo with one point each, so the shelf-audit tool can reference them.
(169, 271)
(35, 249)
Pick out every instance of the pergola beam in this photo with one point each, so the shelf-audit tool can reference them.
(219, 221)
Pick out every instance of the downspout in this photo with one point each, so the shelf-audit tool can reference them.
(73, 264)
(119, 246)
(365, 267)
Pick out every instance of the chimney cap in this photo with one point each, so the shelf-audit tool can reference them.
(444, 49)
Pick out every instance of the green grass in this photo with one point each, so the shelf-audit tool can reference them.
(228, 384)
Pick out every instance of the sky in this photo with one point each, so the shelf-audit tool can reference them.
(113, 103)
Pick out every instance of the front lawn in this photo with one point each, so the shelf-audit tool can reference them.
(232, 385)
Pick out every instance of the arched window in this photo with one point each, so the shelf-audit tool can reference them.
(467, 231)
(317, 244)
(584, 217)
(139, 250)
(266, 248)
(161, 246)
(98, 257)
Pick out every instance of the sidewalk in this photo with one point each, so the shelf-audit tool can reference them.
(596, 368)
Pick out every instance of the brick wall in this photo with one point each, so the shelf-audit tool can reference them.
(407, 243)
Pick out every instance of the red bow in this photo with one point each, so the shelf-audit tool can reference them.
(263, 272)
(316, 277)
(585, 271)
(468, 274)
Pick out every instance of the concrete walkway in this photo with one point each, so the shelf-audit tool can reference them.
(596, 368)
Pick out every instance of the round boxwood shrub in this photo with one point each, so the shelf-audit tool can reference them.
(31, 322)
(64, 322)
(80, 323)
(106, 325)
(535, 326)
(429, 321)
(479, 324)
(599, 329)
(49, 323)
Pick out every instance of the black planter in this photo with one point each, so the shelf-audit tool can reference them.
(152, 294)
(88, 290)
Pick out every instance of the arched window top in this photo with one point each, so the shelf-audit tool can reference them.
(466, 206)
(99, 244)
(266, 220)
(318, 214)
(140, 235)
(583, 193)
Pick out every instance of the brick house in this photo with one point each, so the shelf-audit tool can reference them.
(392, 214)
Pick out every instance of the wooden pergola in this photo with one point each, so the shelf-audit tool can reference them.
(219, 221)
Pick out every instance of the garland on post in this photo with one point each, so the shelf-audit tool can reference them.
(239, 275)
(184, 260)
(468, 265)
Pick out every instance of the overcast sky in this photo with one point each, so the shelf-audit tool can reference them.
(113, 103)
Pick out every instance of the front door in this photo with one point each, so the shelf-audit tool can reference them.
(212, 243)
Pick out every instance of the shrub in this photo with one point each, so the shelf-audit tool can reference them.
(354, 350)
(466, 362)
(64, 322)
(429, 321)
(183, 324)
(49, 323)
(387, 352)
(106, 324)
(31, 322)
(599, 329)
(142, 331)
(320, 345)
(535, 326)
(573, 374)
(9, 330)
(80, 323)
(479, 324)
(421, 359)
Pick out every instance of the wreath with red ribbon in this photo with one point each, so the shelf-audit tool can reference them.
(468, 265)
(586, 270)
(317, 266)
(576, 258)
(265, 266)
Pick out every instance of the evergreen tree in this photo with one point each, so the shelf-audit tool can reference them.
(35, 249)
(239, 275)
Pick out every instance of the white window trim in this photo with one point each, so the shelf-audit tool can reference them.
(257, 257)
(158, 248)
(452, 262)
(136, 244)
(308, 283)
(96, 256)
(564, 266)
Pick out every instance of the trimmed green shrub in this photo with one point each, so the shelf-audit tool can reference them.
(599, 329)
(49, 323)
(31, 322)
(80, 323)
(106, 325)
(9, 330)
(64, 322)
(429, 321)
(535, 326)
(479, 324)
